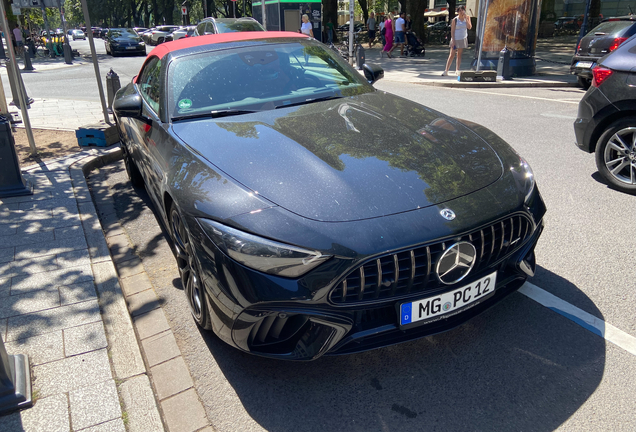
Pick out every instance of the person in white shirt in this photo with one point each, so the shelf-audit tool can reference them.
(400, 37)
(305, 27)
(459, 38)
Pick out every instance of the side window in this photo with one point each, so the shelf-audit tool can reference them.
(201, 29)
(149, 83)
(209, 28)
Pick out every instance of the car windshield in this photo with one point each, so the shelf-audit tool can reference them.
(259, 77)
(611, 27)
(123, 33)
(231, 26)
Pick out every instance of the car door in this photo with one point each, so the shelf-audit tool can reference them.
(150, 131)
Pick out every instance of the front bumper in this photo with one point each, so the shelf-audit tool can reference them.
(125, 50)
(291, 319)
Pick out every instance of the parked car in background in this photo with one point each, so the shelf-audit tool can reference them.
(606, 121)
(78, 34)
(145, 35)
(140, 30)
(103, 32)
(602, 39)
(566, 25)
(227, 25)
(181, 33)
(96, 31)
(124, 41)
(312, 214)
(158, 35)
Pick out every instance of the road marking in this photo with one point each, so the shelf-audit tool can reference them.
(580, 317)
(512, 95)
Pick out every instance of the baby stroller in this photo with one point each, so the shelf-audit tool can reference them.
(415, 46)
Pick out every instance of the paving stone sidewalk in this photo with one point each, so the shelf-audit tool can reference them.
(61, 304)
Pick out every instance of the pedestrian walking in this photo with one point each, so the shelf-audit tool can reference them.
(388, 36)
(382, 30)
(459, 39)
(400, 36)
(17, 37)
(371, 29)
(330, 32)
(408, 25)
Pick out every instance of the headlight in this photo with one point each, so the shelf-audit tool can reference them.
(141, 43)
(261, 254)
(114, 43)
(524, 177)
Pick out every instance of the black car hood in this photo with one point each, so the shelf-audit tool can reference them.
(347, 159)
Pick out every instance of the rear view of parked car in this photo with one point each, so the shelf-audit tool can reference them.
(601, 40)
(606, 123)
(227, 25)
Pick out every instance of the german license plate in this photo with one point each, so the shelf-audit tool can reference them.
(130, 47)
(449, 303)
(584, 64)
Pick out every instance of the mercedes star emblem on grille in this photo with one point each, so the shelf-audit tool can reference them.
(456, 262)
(447, 214)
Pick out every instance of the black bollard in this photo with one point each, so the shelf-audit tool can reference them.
(28, 66)
(11, 181)
(112, 85)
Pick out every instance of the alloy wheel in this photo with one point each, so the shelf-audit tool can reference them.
(186, 265)
(620, 155)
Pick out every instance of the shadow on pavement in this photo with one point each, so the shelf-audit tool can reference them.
(518, 366)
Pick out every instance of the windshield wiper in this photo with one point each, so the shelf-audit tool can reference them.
(308, 101)
(215, 114)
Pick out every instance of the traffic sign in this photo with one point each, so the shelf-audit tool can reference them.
(184, 10)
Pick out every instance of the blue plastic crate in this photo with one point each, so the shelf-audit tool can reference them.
(96, 135)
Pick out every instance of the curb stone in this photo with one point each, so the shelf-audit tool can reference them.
(135, 392)
(174, 390)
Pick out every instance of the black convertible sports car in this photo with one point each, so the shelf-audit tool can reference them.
(312, 214)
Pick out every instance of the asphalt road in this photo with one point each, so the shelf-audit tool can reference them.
(519, 366)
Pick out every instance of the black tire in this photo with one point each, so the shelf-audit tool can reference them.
(616, 155)
(189, 269)
(131, 169)
(584, 83)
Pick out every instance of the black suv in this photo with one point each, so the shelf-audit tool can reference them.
(601, 40)
(226, 25)
(606, 122)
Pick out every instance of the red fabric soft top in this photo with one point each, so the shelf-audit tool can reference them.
(184, 43)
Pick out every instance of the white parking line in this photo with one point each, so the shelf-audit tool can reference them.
(517, 96)
(580, 317)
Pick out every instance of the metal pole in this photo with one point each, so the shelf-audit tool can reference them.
(18, 80)
(205, 8)
(584, 25)
(481, 36)
(102, 98)
(48, 33)
(68, 57)
(351, 27)
(264, 15)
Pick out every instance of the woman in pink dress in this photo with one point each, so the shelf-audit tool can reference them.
(388, 25)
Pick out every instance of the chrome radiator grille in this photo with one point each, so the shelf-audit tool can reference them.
(413, 270)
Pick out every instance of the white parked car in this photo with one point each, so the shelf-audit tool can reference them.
(159, 34)
(78, 34)
(184, 32)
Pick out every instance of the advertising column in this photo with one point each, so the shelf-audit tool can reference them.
(513, 24)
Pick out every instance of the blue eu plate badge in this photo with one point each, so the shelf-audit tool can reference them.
(406, 313)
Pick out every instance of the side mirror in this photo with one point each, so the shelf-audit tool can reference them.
(128, 106)
(372, 72)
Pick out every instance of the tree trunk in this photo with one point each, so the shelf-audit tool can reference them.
(365, 10)
(416, 8)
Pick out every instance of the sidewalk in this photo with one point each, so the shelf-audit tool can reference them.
(61, 304)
